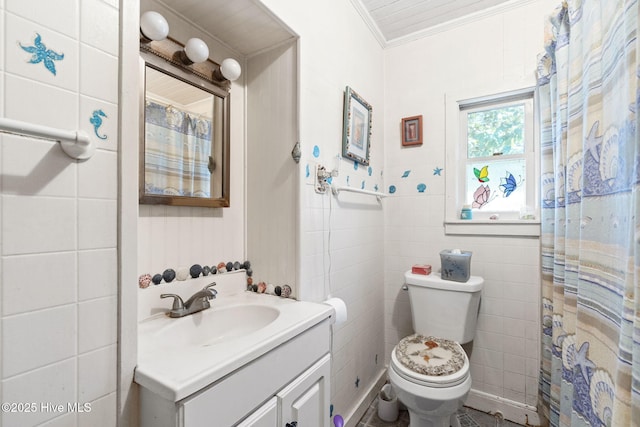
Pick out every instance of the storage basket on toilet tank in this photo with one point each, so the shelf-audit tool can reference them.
(443, 308)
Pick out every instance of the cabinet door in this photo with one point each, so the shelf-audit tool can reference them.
(265, 416)
(306, 399)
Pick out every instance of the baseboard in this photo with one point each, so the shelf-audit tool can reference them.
(511, 410)
(352, 419)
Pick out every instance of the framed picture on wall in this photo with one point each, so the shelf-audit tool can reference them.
(356, 131)
(412, 131)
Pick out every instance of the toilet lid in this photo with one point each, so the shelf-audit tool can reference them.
(431, 359)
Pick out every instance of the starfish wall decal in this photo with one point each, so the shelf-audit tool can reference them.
(40, 53)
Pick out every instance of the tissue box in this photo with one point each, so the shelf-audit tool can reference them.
(455, 267)
(421, 269)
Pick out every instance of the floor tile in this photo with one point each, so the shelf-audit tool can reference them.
(467, 417)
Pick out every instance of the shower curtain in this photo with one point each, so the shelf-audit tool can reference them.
(588, 97)
(177, 152)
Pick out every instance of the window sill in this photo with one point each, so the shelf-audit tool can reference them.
(499, 227)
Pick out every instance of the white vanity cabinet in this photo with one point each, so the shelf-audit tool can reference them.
(304, 400)
(288, 383)
(265, 416)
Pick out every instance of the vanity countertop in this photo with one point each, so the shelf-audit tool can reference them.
(175, 364)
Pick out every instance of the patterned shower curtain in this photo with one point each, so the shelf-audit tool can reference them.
(589, 99)
(177, 152)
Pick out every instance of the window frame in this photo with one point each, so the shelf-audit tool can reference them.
(459, 105)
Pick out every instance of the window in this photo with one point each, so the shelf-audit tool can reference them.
(491, 162)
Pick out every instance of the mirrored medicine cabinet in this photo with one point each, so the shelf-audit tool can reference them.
(184, 130)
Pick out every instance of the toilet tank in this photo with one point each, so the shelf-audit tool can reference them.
(444, 308)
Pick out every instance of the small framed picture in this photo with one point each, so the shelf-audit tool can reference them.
(412, 131)
(356, 133)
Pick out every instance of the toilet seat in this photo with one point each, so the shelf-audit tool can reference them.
(430, 361)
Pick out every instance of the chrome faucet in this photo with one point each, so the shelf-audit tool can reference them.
(198, 301)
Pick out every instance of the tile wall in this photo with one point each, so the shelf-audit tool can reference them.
(498, 49)
(505, 352)
(59, 68)
(345, 262)
(341, 238)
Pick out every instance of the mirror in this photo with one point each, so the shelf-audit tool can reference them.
(184, 144)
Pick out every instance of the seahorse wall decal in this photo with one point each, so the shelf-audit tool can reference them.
(96, 121)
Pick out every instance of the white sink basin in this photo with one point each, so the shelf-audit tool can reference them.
(216, 325)
(178, 357)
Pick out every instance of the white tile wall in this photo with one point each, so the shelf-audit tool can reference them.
(61, 16)
(34, 224)
(23, 32)
(58, 265)
(96, 274)
(96, 376)
(342, 240)
(505, 352)
(40, 103)
(25, 335)
(55, 383)
(98, 74)
(21, 294)
(28, 177)
(99, 25)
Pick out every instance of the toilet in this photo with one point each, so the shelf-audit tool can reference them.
(429, 370)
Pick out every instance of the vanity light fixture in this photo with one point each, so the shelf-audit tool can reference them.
(192, 57)
(229, 70)
(195, 51)
(153, 26)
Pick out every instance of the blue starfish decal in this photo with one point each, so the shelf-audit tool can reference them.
(42, 54)
(96, 121)
(437, 171)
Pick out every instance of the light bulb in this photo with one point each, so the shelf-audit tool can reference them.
(196, 50)
(153, 26)
(230, 69)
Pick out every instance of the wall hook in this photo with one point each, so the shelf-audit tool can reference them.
(296, 153)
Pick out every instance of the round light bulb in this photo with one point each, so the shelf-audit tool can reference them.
(154, 26)
(230, 69)
(196, 50)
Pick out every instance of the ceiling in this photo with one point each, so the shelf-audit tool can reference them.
(248, 27)
(398, 19)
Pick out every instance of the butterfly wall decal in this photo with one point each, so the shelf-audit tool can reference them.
(508, 184)
(482, 174)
